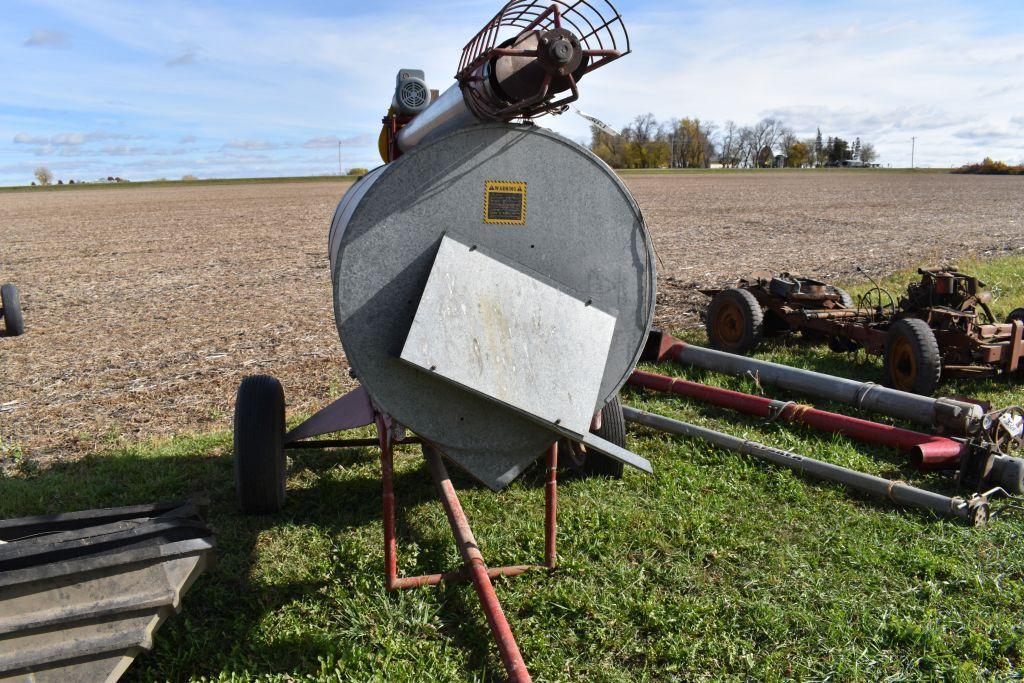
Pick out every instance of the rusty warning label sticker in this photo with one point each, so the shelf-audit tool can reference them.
(504, 202)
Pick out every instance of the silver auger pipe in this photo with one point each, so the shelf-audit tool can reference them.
(975, 511)
(959, 417)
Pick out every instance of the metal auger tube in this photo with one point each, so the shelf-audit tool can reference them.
(974, 511)
(959, 417)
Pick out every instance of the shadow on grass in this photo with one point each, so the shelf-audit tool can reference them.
(223, 626)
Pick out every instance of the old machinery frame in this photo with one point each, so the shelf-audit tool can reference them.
(941, 327)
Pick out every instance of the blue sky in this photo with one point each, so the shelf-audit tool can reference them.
(155, 89)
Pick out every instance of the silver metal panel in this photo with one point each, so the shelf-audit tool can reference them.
(613, 451)
(497, 330)
(582, 230)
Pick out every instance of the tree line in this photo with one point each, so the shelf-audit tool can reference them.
(692, 143)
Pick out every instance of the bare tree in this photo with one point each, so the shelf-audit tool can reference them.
(44, 175)
(729, 145)
(868, 154)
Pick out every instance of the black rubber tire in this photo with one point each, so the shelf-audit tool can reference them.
(748, 328)
(613, 429)
(10, 300)
(1015, 314)
(845, 299)
(919, 367)
(259, 445)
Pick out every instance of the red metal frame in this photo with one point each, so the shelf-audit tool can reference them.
(392, 124)
(474, 568)
(601, 37)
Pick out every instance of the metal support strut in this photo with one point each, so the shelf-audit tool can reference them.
(474, 568)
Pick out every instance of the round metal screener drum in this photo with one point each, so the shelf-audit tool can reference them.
(517, 191)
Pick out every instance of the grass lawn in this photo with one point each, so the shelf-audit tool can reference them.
(716, 567)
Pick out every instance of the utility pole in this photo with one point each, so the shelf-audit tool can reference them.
(340, 172)
(913, 144)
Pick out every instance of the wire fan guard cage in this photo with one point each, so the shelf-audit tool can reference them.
(414, 95)
(596, 23)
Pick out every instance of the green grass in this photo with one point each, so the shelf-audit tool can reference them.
(716, 567)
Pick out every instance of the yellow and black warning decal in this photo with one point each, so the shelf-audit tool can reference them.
(504, 202)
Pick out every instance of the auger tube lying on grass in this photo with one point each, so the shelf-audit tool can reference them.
(958, 417)
(974, 511)
(927, 452)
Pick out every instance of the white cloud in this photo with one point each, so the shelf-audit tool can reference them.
(332, 141)
(47, 38)
(26, 139)
(987, 135)
(71, 139)
(879, 70)
(251, 144)
(321, 142)
(186, 58)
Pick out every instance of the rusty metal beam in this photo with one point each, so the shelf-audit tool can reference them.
(477, 569)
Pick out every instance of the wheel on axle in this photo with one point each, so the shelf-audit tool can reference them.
(735, 321)
(589, 463)
(912, 359)
(845, 298)
(10, 301)
(613, 429)
(1015, 315)
(259, 445)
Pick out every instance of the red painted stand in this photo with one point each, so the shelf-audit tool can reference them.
(474, 568)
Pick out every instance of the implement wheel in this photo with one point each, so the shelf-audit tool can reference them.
(259, 445)
(10, 301)
(588, 463)
(613, 429)
(735, 321)
(844, 298)
(1015, 314)
(912, 359)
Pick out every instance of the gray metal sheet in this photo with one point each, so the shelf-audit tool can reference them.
(582, 229)
(486, 324)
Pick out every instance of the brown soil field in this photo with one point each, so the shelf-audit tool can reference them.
(145, 307)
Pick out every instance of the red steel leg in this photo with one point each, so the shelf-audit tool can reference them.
(551, 508)
(474, 563)
(387, 473)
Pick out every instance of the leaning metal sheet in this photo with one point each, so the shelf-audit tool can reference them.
(519, 191)
(485, 324)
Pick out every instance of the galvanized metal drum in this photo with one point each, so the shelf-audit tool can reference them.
(519, 192)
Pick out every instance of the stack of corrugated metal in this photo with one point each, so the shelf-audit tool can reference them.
(82, 594)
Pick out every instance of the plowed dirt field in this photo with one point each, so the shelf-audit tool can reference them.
(145, 306)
